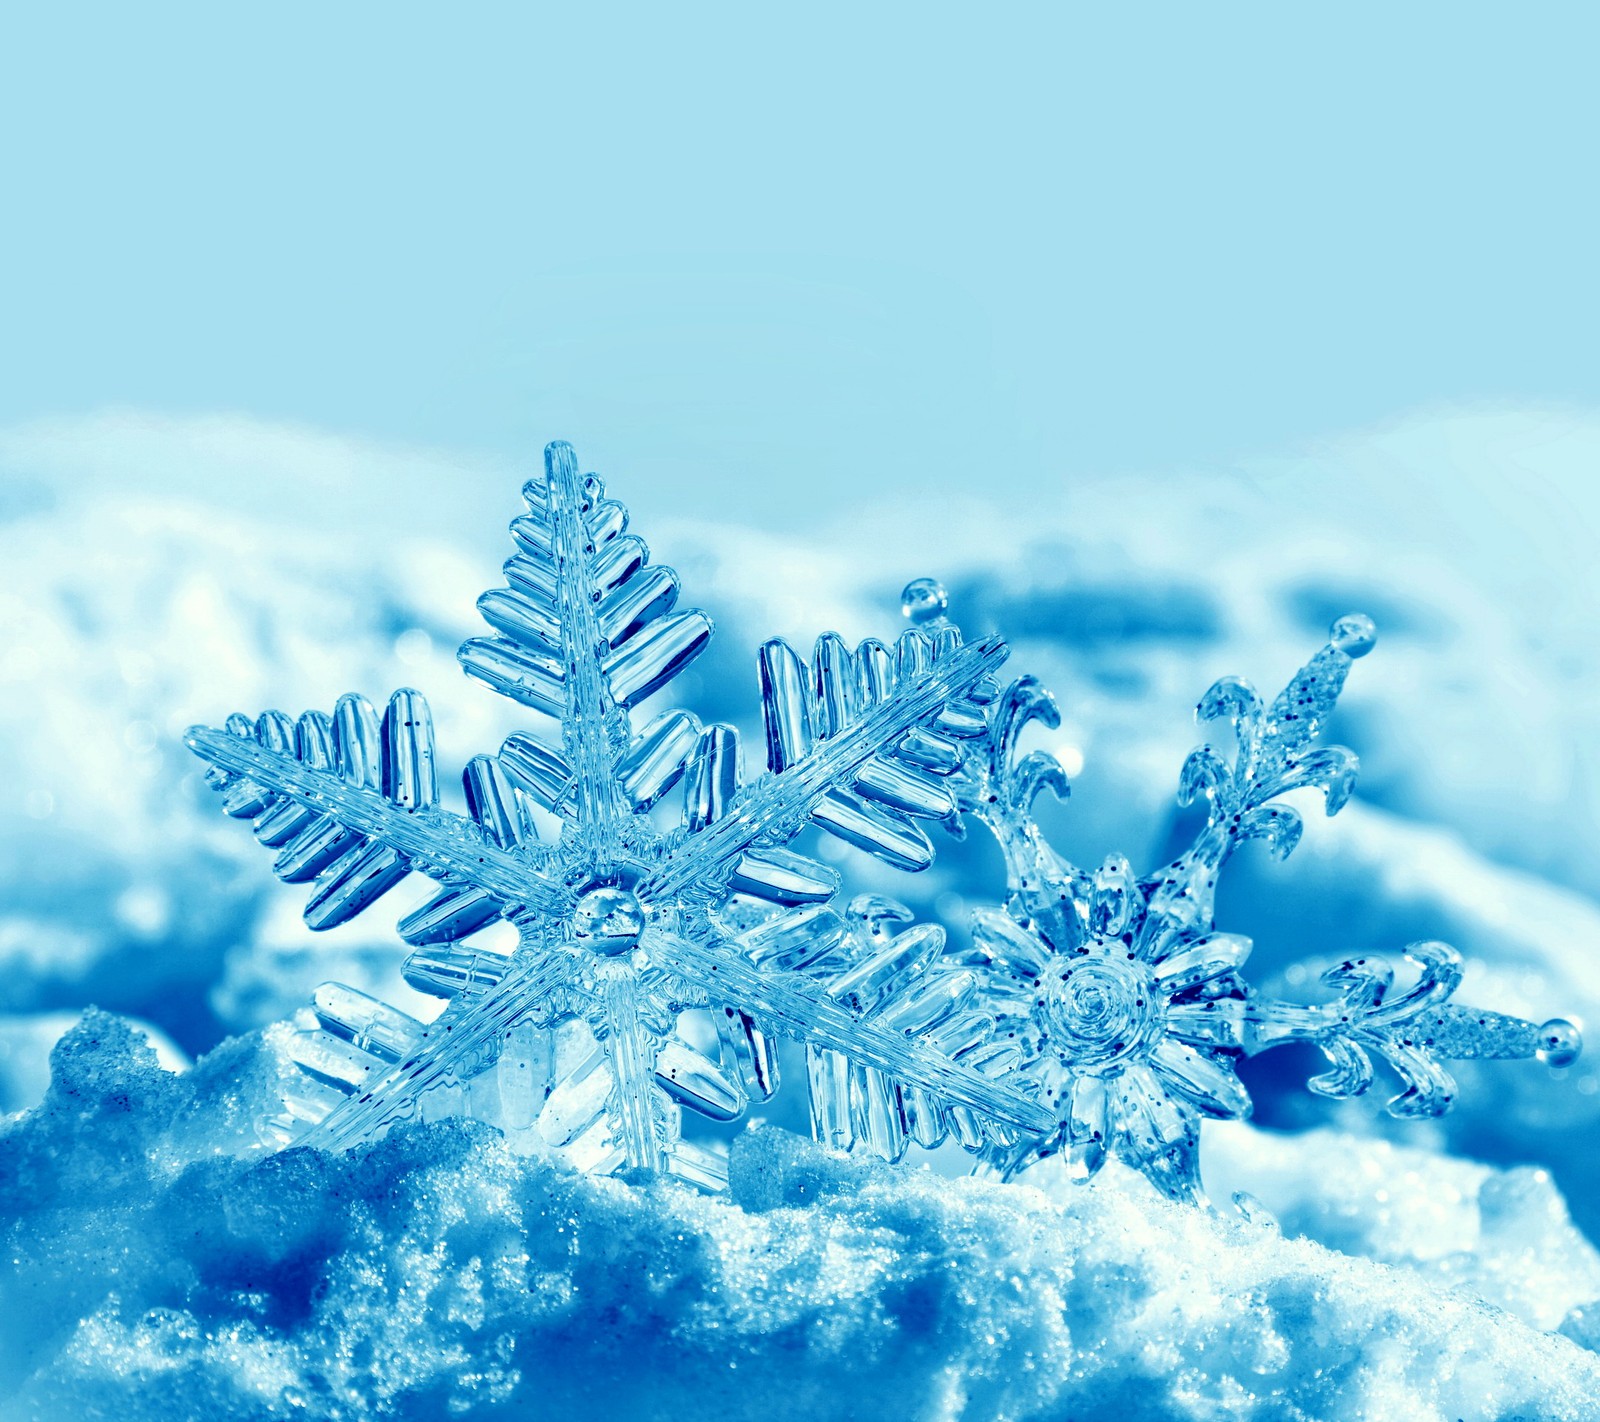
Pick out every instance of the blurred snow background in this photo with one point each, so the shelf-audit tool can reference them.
(165, 571)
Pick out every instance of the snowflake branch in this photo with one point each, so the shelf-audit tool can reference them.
(1414, 1031)
(632, 1051)
(1000, 791)
(583, 637)
(437, 843)
(1274, 754)
(451, 1048)
(775, 808)
(592, 725)
(802, 1009)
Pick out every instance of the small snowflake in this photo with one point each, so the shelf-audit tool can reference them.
(1127, 1006)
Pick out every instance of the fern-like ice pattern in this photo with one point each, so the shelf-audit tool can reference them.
(678, 951)
(660, 954)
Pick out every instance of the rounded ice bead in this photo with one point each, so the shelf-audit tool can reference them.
(924, 600)
(608, 920)
(1559, 1042)
(1354, 634)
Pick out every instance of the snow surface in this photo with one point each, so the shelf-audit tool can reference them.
(165, 1267)
(160, 1264)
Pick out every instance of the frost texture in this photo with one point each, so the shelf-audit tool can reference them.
(658, 954)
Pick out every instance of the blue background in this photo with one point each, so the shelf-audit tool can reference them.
(794, 257)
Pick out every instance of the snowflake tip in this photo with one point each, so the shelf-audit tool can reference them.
(1355, 634)
(1560, 1042)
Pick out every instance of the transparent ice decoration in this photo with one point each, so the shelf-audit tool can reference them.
(1125, 1003)
(659, 954)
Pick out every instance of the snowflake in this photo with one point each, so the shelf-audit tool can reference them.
(659, 953)
(676, 949)
(1126, 1005)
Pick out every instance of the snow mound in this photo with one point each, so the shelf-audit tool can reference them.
(166, 1267)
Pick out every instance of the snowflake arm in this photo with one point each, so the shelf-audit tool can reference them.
(902, 981)
(779, 805)
(585, 630)
(265, 779)
(999, 785)
(1275, 753)
(633, 1051)
(453, 1048)
(813, 1013)
(1415, 1031)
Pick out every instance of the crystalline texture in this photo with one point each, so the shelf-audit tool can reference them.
(1098, 1013)
(1125, 1005)
(624, 927)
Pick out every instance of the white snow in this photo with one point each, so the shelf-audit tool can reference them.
(162, 1266)
(165, 1267)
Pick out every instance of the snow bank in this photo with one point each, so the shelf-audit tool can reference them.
(164, 1268)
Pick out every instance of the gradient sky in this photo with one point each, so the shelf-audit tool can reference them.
(789, 260)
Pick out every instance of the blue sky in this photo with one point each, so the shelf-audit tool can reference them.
(783, 262)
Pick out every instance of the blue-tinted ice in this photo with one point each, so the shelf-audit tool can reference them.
(670, 930)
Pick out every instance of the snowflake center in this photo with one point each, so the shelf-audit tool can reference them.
(1102, 1006)
(608, 920)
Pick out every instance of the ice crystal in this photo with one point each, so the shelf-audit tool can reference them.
(1125, 1003)
(646, 935)
(664, 941)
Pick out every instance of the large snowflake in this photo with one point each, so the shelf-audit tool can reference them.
(643, 935)
(658, 954)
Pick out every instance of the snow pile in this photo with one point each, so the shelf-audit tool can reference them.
(1503, 1235)
(165, 1268)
